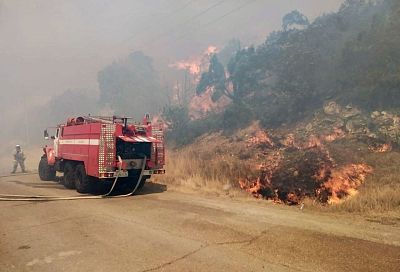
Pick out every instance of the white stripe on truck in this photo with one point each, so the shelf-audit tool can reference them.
(142, 139)
(79, 142)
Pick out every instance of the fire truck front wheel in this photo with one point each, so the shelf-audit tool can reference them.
(83, 182)
(46, 171)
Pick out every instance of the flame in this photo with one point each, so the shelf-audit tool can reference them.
(211, 50)
(253, 188)
(196, 64)
(292, 198)
(381, 148)
(330, 184)
(289, 141)
(345, 181)
(261, 138)
(313, 141)
(385, 148)
(262, 186)
(192, 65)
(338, 133)
(201, 105)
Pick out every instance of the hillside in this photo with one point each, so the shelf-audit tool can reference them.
(313, 113)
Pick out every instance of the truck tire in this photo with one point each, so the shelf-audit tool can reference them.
(83, 182)
(46, 172)
(69, 176)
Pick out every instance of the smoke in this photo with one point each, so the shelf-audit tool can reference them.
(50, 46)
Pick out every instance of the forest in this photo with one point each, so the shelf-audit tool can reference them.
(351, 56)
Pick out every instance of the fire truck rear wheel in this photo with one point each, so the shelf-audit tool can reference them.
(69, 176)
(83, 182)
(46, 171)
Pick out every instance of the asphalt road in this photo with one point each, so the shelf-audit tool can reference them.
(162, 230)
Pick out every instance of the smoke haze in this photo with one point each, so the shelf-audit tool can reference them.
(50, 46)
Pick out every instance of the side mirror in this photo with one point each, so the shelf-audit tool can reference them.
(45, 134)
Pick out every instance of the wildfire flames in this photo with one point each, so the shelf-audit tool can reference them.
(296, 171)
(381, 148)
(201, 105)
(337, 134)
(345, 181)
(260, 138)
(195, 65)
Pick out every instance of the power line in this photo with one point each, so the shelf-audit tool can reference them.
(219, 18)
(184, 6)
(153, 25)
(202, 13)
(170, 31)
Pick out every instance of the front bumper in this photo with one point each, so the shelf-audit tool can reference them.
(153, 172)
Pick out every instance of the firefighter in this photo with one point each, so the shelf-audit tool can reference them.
(19, 158)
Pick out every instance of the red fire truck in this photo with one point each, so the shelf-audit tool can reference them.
(94, 149)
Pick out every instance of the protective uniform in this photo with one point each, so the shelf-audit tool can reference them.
(19, 158)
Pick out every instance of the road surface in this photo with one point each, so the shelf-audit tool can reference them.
(161, 230)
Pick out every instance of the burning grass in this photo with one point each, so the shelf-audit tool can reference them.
(380, 193)
(344, 182)
(316, 170)
(299, 166)
(293, 175)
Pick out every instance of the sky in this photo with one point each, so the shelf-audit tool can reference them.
(49, 46)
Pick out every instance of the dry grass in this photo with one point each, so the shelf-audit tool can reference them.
(215, 163)
(206, 166)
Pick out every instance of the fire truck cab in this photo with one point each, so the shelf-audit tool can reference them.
(94, 149)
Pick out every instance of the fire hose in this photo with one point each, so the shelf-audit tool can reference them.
(6, 197)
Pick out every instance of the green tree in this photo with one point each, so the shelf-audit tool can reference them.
(216, 79)
(240, 80)
(177, 117)
(294, 18)
(228, 51)
(351, 56)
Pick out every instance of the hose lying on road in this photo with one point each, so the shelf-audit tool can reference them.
(21, 174)
(5, 197)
